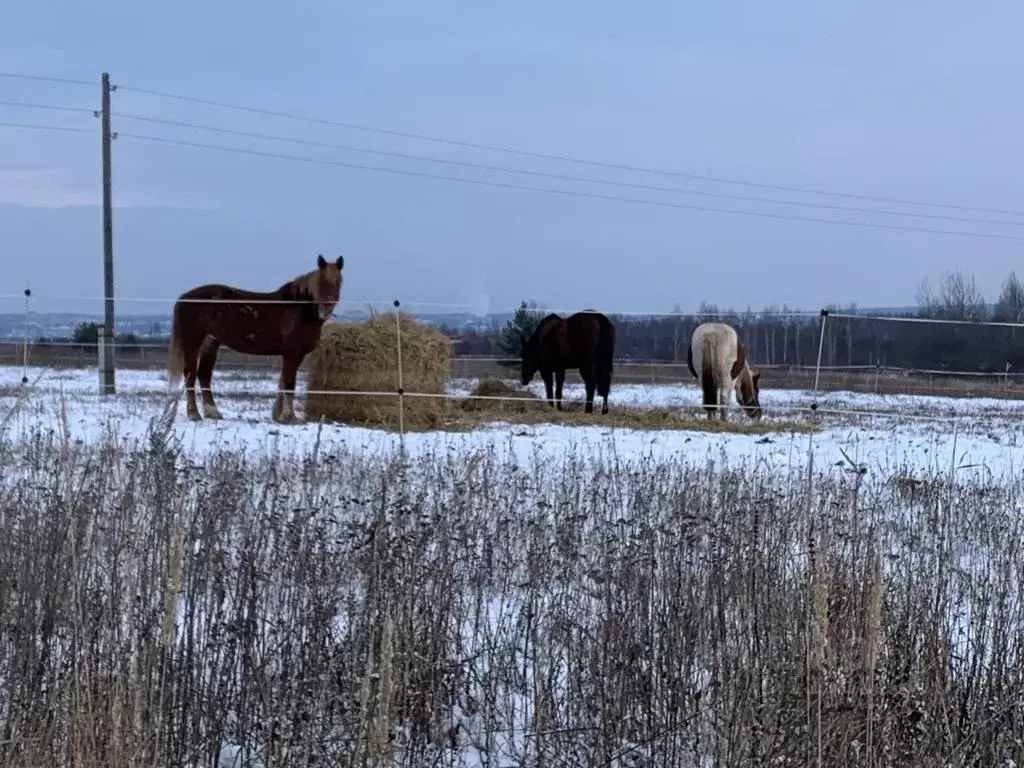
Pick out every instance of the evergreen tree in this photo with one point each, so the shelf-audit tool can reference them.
(86, 333)
(520, 327)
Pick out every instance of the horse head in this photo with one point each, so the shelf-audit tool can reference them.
(326, 284)
(748, 390)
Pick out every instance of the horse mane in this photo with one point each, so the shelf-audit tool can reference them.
(739, 365)
(541, 326)
(547, 320)
(300, 287)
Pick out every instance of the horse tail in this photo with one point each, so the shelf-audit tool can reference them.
(175, 354)
(708, 370)
(604, 354)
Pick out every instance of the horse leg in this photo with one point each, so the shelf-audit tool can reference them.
(284, 405)
(189, 364)
(548, 386)
(207, 359)
(591, 385)
(723, 402)
(709, 401)
(604, 386)
(290, 389)
(559, 382)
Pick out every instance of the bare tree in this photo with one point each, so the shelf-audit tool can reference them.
(957, 298)
(1010, 305)
(850, 310)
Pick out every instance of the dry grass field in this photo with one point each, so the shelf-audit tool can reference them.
(541, 591)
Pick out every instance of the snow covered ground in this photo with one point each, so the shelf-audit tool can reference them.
(911, 435)
(886, 433)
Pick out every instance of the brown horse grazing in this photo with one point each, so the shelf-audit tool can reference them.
(718, 360)
(285, 322)
(586, 340)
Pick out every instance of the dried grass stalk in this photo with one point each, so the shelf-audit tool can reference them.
(819, 610)
(873, 615)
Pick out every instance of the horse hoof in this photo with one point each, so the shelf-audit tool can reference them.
(212, 413)
(195, 416)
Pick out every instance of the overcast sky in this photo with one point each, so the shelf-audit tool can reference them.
(907, 100)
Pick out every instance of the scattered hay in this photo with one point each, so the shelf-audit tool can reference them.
(363, 357)
(518, 400)
(537, 411)
(523, 407)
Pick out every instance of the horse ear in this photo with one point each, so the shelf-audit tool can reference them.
(321, 262)
(340, 262)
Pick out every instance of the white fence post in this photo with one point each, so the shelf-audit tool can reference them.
(24, 351)
(101, 350)
(401, 390)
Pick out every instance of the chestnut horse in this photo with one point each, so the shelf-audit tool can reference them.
(584, 340)
(285, 322)
(721, 358)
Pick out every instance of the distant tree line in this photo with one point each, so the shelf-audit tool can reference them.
(784, 336)
(88, 335)
(776, 336)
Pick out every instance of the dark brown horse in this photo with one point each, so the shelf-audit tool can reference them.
(584, 340)
(285, 322)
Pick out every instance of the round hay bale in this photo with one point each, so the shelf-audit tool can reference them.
(518, 400)
(363, 357)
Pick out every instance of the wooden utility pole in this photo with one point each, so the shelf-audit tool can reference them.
(107, 361)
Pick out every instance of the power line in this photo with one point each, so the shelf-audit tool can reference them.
(563, 192)
(932, 320)
(564, 158)
(370, 303)
(53, 107)
(37, 127)
(548, 175)
(520, 187)
(46, 79)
